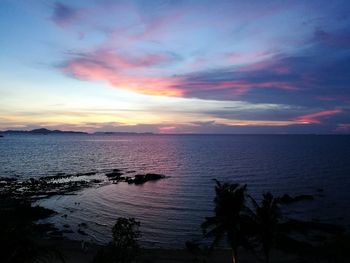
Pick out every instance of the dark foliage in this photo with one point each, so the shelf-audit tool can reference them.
(229, 217)
(262, 226)
(18, 235)
(264, 221)
(124, 248)
(200, 253)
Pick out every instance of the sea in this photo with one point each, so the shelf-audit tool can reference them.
(171, 210)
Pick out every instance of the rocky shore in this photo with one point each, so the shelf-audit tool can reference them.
(63, 184)
(19, 220)
(20, 227)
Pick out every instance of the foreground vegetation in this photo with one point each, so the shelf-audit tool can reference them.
(19, 237)
(260, 227)
(239, 221)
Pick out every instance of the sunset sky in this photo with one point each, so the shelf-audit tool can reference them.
(176, 66)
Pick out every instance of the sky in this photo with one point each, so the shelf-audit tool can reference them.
(176, 66)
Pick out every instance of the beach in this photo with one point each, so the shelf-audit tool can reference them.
(73, 253)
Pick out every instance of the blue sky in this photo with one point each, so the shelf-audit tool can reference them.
(176, 66)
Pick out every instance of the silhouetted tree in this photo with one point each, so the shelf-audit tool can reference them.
(124, 247)
(229, 216)
(270, 230)
(200, 253)
(125, 234)
(265, 219)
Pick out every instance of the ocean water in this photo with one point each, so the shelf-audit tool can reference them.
(171, 210)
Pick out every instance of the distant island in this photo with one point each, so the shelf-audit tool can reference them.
(44, 131)
(40, 131)
(123, 133)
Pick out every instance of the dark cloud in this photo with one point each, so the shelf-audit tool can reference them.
(306, 69)
(339, 40)
(301, 80)
(63, 14)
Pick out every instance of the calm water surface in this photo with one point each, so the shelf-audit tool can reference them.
(171, 210)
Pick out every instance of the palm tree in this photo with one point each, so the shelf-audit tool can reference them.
(229, 217)
(265, 218)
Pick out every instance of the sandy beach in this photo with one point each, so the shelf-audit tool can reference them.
(73, 253)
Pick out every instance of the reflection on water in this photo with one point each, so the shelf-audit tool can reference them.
(172, 209)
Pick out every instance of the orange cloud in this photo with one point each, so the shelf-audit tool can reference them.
(133, 73)
(113, 69)
(313, 118)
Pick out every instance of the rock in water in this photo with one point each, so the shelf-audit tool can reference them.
(287, 199)
(142, 178)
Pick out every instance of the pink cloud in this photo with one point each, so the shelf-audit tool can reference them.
(342, 98)
(122, 61)
(313, 118)
(130, 72)
(121, 70)
(234, 87)
(326, 98)
(343, 128)
(167, 129)
(267, 66)
(114, 70)
(256, 61)
(125, 72)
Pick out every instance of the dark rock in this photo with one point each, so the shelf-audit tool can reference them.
(55, 233)
(89, 173)
(114, 174)
(67, 231)
(303, 197)
(83, 225)
(38, 212)
(56, 177)
(66, 226)
(33, 181)
(8, 179)
(44, 228)
(59, 176)
(96, 181)
(17, 210)
(142, 178)
(82, 232)
(287, 199)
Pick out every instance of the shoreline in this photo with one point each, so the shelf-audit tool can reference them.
(73, 252)
(82, 251)
(21, 203)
